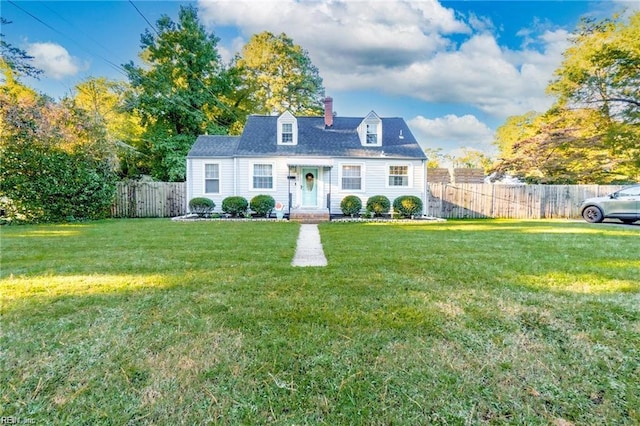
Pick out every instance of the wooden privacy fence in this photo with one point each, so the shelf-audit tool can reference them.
(150, 199)
(446, 200)
(450, 200)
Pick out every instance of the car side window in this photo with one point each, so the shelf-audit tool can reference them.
(629, 192)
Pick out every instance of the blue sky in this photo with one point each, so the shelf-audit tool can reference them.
(454, 70)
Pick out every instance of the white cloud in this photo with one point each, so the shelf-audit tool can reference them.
(452, 133)
(54, 60)
(345, 36)
(630, 6)
(479, 73)
(481, 23)
(418, 49)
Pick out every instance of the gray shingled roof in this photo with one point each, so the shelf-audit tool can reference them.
(340, 140)
(214, 146)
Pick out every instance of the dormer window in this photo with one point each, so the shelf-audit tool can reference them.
(287, 133)
(372, 134)
(287, 129)
(370, 130)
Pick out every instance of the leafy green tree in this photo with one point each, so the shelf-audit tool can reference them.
(103, 100)
(472, 159)
(53, 165)
(602, 69)
(561, 147)
(515, 129)
(274, 74)
(591, 134)
(178, 92)
(435, 157)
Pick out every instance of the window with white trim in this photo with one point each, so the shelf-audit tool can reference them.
(287, 130)
(352, 177)
(287, 133)
(372, 134)
(262, 176)
(398, 175)
(212, 178)
(370, 130)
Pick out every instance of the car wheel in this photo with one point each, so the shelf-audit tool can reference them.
(592, 214)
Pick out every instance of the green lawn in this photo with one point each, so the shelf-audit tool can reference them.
(463, 322)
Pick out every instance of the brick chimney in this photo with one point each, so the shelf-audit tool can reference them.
(328, 111)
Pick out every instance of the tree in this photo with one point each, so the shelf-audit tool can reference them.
(435, 157)
(103, 100)
(469, 158)
(515, 129)
(560, 147)
(274, 75)
(602, 69)
(53, 165)
(601, 72)
(17, 59)
(178, 93)
(591, 134)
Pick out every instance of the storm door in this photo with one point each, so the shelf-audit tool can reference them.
(309, 187)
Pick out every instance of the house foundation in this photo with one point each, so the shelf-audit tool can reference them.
(309, 215)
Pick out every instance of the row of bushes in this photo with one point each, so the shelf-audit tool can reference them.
(235, 206)
(378, 205)
(351, 205)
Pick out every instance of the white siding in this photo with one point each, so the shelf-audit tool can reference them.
(195, 179)
(236, 174)
(375, 181)
(280, 182)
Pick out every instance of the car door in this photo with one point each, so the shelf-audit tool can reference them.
(625, 203)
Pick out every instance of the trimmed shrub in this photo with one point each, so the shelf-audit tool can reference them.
(201, 206)
(262, 204)
(407, 205)
(235, 206)
(378, 205)
(351, 205)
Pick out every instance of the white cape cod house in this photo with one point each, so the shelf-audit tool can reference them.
(309, 164)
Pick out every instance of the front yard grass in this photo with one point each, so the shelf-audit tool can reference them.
(463, 322)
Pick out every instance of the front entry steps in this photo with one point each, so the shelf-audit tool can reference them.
(309, 215)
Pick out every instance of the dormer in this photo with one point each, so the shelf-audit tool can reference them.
(370, 130)
(287, 129)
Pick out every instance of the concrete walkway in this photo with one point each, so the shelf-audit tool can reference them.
(309, 249)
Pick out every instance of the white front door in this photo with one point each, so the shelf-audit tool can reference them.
(309, 187)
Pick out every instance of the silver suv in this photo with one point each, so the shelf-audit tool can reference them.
(623, 205)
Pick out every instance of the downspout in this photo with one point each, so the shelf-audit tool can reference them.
(235, 174)
(189, 183)
(425, 203)
(289, 189)
(329, 194)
